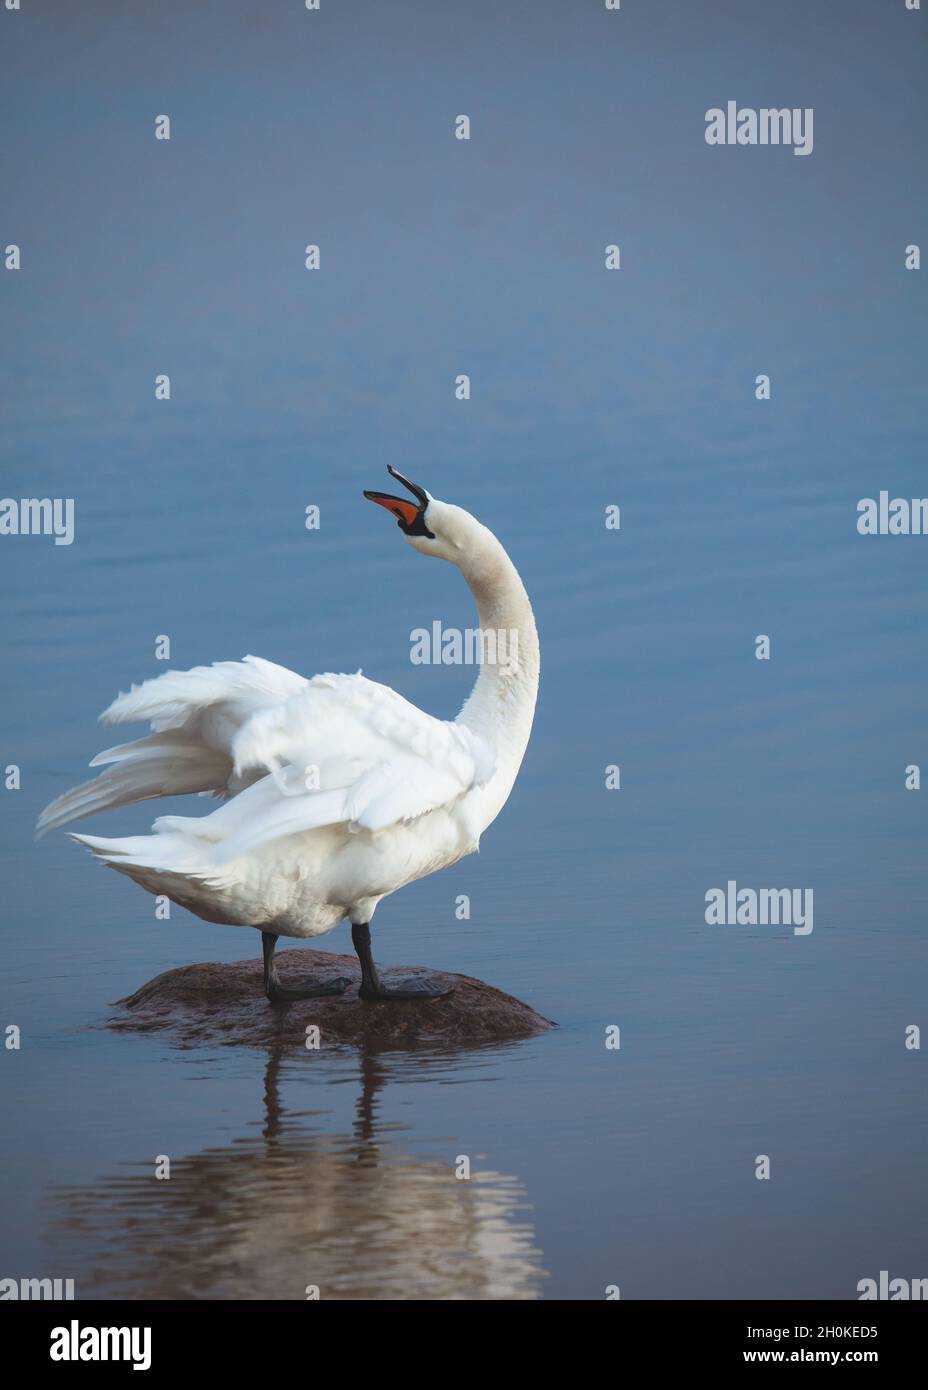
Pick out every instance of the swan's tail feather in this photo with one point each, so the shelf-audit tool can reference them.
(165, 764)
(162, 863)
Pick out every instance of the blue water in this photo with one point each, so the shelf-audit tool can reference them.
(289, 388)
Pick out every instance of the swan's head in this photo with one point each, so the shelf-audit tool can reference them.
(432, 527)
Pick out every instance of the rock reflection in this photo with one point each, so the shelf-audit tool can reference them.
(269, 1217)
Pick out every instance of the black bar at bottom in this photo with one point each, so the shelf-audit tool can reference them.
(287, 1338)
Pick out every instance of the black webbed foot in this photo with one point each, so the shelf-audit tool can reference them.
(279, 993)
(286, 994)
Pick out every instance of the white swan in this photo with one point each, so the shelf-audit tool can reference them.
(338, 790)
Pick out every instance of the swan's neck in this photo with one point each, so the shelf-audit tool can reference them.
(501, 705)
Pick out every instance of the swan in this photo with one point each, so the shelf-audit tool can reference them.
(337, 791)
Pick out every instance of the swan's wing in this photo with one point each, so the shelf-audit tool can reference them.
(195, 716)
(344, 750)
(229, 690)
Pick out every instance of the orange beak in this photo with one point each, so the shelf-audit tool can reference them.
(405, 511)
(410, 516)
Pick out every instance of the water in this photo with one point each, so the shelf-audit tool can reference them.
(591, 1167)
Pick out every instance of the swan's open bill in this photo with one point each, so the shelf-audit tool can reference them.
(416, 987)
(336, 791)
(284, 994)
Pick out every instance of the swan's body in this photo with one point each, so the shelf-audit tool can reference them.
(339, 791)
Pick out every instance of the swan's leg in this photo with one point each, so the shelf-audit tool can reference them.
(416, 987)
(282, 994)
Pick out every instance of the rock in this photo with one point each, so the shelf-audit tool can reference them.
(225, 1005)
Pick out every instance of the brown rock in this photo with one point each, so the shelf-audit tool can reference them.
(225, 1005)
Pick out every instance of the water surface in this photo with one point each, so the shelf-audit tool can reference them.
(591, 1167)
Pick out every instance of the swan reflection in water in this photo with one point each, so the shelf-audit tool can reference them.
(274, 1216)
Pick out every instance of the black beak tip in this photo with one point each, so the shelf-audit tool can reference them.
(419, 493)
